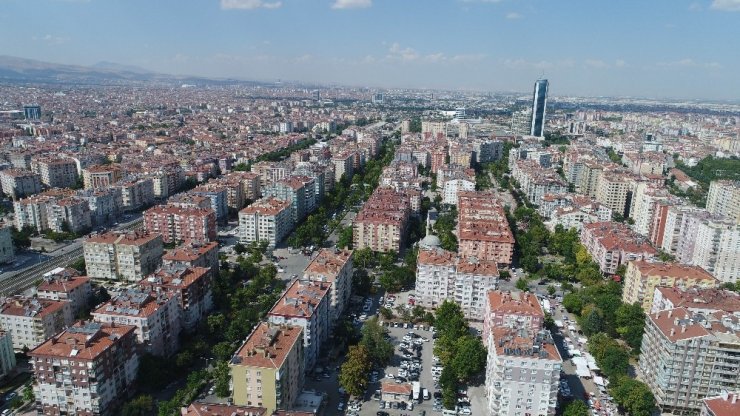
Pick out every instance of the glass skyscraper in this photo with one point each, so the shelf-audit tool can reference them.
(32, 112)
(539, 102)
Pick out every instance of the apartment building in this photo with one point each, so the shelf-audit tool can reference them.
(101, 176)
(522, 372)
(443, 275)
(155, 315)
(218, 409)
(512, 310)
(7, 355)
(588, 181)
(192, 288)
(65, 284)
(714, 245)
(382, 221)
(676, 223)
(136, 193)
(127, 256)
(643, 207)
(250, 182)
(343, 165)
(642, 277)
(726, 404)
(686, 357)
(335, 267)
(267, 370)
(56, 172)
(180, 224)
(69, 214)
(31, 321)
(482, 229)
(89, 369)
(299, 190)
(612, 244)
(614, 190)
(7, 251)
(696, 299)
(194, 255)
(19, 183)
(218, 196)
(268, 219)
(104, 203)
(269, 172)
(723, 199)
(305, 304)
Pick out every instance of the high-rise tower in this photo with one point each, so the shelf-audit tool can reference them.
(539, 102)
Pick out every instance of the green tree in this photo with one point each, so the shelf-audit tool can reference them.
(222, 378)
(379, 349)
(551, 290)
(345, 238)
(576, 408)
(470, 357)
(239, 248)
(353, 373)
(633, 395)
(361, 282)
(573, 303)
(140, 406)
(28, 395)
(223, 350)
(630, 322)
(522, 285)
(592, 322)
(364, 257)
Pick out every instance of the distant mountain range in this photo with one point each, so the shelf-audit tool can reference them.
(22, 70)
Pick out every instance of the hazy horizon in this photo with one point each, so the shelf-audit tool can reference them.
(660, 49)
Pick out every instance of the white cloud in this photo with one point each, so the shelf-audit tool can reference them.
(726, 5)
(51, 39)
(514, 15)
(689, 63)
(695, 7)
(541, 65)
(406, 54)
(620, 63)
(351, 4)
(249, 4)
(469, 57)
(596, 63)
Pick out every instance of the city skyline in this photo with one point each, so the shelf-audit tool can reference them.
(670, 49)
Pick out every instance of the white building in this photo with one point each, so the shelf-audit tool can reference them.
(717, 248)
(442, 275)
(305, 304)
(127, 256)
(89, 369)
(33, 321)
(156, 317)
(268, 219)
(7, 355)
(522, 372)
(452, 187)
(66, 285)
(724, 199)
(335, 267)
(7, 252)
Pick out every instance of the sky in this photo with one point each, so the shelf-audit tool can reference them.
(639, 48)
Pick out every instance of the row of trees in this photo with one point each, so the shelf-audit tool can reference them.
(346, 193)
(444, 227)
(462, 354)
(614, 328)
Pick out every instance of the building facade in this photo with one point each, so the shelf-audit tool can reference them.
(127, 256)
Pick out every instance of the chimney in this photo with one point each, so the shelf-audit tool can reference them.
(683, 328)
(670, 312)
(673, 331)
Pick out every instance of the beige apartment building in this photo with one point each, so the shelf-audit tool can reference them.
(127, 256)
(642, 277)
(267, 370)
(101, 176)
(56, 172)
(612, 190)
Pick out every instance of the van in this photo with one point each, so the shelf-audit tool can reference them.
(425, 393)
